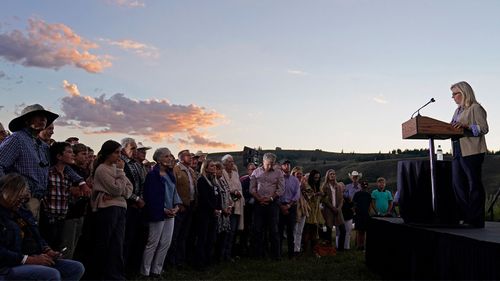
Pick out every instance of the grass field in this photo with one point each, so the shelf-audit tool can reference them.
(348, 265)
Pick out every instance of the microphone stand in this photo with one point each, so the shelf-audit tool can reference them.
(418, 110)
(432, 160)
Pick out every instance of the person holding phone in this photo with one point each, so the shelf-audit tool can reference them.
(24, 254)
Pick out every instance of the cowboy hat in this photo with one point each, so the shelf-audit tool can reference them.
(355, 174)
(18, 123)
(200, 153)
(141, 146)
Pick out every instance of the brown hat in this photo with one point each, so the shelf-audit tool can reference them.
(18, 123)
(181, 152)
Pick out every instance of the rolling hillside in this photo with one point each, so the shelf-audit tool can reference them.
(372, 165)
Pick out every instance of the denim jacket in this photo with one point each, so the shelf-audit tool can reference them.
(14, 243)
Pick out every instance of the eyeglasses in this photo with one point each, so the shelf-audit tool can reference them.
(456, 93)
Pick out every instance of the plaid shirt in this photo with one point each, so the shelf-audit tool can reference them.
(24, 154)
(56, 200)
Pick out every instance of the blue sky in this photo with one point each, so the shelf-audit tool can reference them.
(218, 75)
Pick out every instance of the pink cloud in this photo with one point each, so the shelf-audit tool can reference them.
(158, 120)
(197, 139)
(139, 48)
(50, 46)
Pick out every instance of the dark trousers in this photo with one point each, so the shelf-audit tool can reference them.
(181, 246)
(266, 217)
(288, 221)
(133, 246)
(340, 232)
(206, 233)
(51, 231)
(468, 186)
(85, 248)
(109, 235)
(246, 233)
(229, 237)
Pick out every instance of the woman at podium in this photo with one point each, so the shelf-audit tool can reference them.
(468, 154)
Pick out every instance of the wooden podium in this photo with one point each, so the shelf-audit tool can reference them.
(422, 127)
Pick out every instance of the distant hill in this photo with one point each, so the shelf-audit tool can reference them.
(372, 165)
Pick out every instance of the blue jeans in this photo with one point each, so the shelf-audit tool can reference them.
(62, 270)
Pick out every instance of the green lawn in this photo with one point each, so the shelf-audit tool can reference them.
(344, 266)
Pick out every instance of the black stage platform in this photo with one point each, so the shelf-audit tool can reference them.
(400, 251)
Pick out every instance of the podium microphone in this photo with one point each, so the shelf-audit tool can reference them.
(418, 110)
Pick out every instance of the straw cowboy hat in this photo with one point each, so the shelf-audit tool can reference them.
(141, 146)
(355, 174)
(19, 122)
(200, 153)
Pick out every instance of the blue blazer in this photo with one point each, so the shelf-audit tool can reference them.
(154, 194)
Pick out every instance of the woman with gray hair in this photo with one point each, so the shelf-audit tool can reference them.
(468, 154)
(162, 204)
(231, 177)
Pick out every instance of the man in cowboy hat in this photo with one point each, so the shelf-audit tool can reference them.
(347, 207)
(24, 153)
(354, 186)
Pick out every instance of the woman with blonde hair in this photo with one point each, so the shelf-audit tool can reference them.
(468, 154)
(24, 254)
(208, 211)
(332, 201)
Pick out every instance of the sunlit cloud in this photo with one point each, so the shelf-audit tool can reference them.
(50, 46)
(380, 99)
(72, 89)
(297, 72)
(139, 48)
(128, 3)
(198, 139)
(155, 119)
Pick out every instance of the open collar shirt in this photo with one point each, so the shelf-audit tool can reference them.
(267, 184)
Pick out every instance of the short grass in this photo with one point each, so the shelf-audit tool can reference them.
(348, 265)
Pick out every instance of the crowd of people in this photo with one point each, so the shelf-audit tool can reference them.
(67, 213)
(114, 214)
